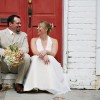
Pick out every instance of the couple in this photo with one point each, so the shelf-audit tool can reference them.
(44, 72)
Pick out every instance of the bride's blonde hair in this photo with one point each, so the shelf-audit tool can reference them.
(47, 25)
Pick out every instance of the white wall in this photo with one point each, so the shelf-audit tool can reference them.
(82, 44)
(98, 39)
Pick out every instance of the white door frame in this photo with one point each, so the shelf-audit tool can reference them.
(65, 35)
(98, 39)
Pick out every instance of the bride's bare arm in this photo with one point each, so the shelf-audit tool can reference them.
(54, 49)
(33, 46)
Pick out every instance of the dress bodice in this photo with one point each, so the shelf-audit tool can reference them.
(40, 46)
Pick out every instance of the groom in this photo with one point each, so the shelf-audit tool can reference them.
(7, 38)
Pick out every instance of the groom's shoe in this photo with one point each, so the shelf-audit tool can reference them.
(19, 88)
(0, 86)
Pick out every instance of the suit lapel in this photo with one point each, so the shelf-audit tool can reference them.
(16, 38)
(8, 35)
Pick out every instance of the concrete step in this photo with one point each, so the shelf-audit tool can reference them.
(8, 78)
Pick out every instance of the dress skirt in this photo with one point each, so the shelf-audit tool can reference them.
(49, 77)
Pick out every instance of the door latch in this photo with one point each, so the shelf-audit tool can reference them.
(30, 16)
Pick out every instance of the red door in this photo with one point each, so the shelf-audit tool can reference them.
(32, 13)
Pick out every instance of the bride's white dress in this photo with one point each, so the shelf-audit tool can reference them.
(49, 77)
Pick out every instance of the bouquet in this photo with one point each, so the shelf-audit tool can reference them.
(13, 56)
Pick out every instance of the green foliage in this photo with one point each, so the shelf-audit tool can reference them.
(13, 48)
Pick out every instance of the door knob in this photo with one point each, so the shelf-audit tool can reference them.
(30, 1)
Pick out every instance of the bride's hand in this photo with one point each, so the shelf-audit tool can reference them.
(42, 54)
(46, 59)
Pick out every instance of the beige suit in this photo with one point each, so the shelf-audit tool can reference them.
(21, 40)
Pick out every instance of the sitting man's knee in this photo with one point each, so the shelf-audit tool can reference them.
(27, 56)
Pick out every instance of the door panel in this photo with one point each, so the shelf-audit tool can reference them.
(9, 7)
(45, 7)
(6, 6)
(43, 11)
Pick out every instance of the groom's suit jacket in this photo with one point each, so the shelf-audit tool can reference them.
(20, 39)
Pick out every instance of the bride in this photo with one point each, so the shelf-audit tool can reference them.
(45, 72)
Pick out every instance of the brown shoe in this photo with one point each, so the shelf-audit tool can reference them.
(19, 88)
(0, 86)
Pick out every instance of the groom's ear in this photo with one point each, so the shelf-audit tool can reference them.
(10, 24)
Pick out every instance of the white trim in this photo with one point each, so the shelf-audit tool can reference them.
(65, 35)
(98, 40)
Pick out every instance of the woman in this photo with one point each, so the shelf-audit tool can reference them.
(45, 72)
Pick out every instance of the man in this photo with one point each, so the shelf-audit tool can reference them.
(20, 38)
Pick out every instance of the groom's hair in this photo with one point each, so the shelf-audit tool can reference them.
(10, 19)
